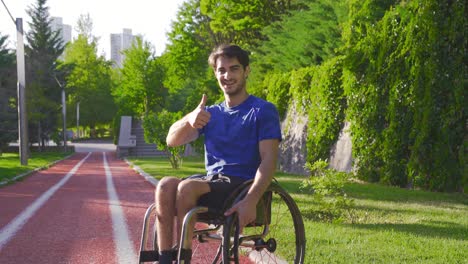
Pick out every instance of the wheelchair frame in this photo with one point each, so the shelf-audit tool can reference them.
(226, 230)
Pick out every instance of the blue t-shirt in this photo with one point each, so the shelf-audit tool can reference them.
(232, 136)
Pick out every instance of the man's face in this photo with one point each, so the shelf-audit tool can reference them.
(231, 75)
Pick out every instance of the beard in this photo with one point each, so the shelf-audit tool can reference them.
(233, 89)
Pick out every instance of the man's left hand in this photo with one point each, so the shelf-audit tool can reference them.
(246, 211)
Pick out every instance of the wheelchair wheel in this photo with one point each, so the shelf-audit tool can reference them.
(204, 242)
(277, 236)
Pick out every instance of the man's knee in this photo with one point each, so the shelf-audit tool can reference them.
(167, 185)
(166, 191)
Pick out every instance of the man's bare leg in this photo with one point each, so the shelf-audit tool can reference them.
(188, 193)
(165, 199)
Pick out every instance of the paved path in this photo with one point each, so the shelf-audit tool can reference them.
(86, 209)
(93, 146)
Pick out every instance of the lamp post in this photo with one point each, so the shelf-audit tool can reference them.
(78, 120)
(22, 119)
(64, 115)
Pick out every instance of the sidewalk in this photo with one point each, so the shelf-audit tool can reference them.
(94, 145)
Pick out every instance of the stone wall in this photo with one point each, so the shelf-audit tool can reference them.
(341, 152)
(293, 150)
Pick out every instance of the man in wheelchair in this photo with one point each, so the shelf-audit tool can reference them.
(242, 135)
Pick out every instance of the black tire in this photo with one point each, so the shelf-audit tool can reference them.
(230, 244)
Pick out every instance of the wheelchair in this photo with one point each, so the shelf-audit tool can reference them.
(276, 236)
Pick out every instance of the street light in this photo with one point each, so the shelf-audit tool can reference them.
(78, 120)
(64, 115)
(22, 119)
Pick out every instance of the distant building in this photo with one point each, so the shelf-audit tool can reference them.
(65, 30)
(119, 43)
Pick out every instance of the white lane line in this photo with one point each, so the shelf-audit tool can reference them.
(124, 245)
(9, 231)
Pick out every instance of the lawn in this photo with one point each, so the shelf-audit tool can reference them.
(386, 224)
(10, 165)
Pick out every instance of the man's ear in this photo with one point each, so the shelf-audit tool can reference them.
(247, 71)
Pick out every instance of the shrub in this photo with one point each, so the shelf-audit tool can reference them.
(156, 126)
(327, 187)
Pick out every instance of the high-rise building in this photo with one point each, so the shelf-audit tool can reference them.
(116, 48)
(65, 30)
(119, 43)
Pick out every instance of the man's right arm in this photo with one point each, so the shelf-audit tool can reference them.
(185, 130)
(181, 133)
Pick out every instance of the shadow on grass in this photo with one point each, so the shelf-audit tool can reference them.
(377, 192)
(435, 229)
(429, 208)
(291, 183)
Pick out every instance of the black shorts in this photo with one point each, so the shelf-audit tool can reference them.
(221, 187)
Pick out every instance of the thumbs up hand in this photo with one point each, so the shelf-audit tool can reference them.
(199, 117)
(203, 101)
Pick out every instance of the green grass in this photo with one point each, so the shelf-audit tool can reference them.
(386, 224)
(159, 167)
(10, 165)
(392, 225)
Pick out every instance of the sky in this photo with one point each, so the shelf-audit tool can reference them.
(151, 19)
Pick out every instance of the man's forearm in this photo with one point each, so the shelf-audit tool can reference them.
(246, 207)
(261, 182)
(180, 133)
(265, 171)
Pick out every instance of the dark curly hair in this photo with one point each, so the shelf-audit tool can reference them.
(229, 51)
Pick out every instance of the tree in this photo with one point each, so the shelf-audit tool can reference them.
(85, 27)
(43, 48)
(242, 21)
(140, 87)
(302, 38)
(405, 85)
(89, 82)
(185, 59)
(200, 26)
(366, 113)
(308, 35)
(8, 112)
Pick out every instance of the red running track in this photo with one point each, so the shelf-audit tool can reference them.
(86, 209)
(61, 215)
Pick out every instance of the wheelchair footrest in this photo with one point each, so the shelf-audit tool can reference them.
(148, 256)
(186, 254)
(153, 255)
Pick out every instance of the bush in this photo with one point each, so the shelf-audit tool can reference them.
(327, 187)
(277, 85)
(57, 138)
(156, 126)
